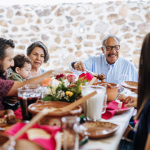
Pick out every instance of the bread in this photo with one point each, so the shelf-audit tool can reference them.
(37, 133)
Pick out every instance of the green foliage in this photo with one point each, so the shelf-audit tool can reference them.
(60, 94)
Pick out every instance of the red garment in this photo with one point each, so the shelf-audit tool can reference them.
(5, 86)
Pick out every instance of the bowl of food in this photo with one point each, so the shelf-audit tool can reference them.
(53, 118)
(111, 90)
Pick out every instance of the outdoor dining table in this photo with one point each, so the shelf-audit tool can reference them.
(111, 143)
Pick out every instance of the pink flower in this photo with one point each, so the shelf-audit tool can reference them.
(86, 76)
(71, 78)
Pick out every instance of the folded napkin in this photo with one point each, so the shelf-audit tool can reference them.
(48, 144)
(111, 109)
(18, 113)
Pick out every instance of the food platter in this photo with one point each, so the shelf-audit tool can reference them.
(130, 84)
(122, 111)
(100, 129)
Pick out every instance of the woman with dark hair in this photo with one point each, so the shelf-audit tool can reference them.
(38, 53)
(142, 135)
(143, 104)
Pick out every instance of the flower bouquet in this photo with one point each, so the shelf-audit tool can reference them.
(64, 88)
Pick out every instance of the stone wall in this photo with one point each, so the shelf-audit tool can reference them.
(74, 31)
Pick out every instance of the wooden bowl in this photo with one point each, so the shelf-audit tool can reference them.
(100, 129)
(53, 118)
(111, 92)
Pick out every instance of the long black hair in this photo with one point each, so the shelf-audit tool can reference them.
(144, 75)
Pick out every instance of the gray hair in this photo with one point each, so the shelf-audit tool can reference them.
(41, 45)
(107, 37)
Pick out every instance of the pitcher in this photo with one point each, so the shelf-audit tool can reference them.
(96, 105)
(27, 95)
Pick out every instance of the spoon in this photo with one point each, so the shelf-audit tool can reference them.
(44, 112)
(92, 73)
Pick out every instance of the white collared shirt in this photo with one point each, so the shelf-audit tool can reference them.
(120, 71)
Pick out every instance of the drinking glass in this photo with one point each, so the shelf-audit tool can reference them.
(43, 92)
(123, 77)
(70, 126)
(27, 95)
(96, 105)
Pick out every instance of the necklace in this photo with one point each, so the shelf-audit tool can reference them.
(35, 74)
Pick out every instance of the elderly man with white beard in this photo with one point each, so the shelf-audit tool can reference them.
(109, 63)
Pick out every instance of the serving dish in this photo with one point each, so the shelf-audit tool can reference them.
(100, 129)
(130, 85)
(111, 90)
(53, 118)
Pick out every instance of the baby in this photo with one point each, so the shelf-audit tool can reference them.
(20, 72)
(21, 69)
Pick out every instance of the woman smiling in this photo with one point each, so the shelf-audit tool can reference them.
(38, 53)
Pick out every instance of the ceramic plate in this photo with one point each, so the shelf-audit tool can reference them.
(130, 84)
(100, 129)
(121, 111)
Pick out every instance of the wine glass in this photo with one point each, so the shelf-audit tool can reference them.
(123, 77)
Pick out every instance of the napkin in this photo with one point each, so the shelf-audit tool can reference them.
(18, 113)
(48, 144)
(111, 109)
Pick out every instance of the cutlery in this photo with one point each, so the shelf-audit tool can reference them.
(92, 81)
(92, 73)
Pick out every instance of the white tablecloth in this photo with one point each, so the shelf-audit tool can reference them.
(111, 143)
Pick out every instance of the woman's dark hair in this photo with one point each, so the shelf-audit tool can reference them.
(20, 60)
(4, 44)
(41, 45)
(144, 75)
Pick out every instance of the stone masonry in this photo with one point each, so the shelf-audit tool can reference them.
(74, 32)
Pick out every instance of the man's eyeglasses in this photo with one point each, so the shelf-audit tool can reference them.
(109, 48)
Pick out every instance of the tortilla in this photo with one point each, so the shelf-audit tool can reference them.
(36, 133)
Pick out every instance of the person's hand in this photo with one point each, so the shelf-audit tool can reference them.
(127, 130)
(134, 90)
(129, 100)
(132, 101)
(79, 66)
(10, 116)
(121, 97)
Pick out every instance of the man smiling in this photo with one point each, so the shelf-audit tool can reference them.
(115, 68)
